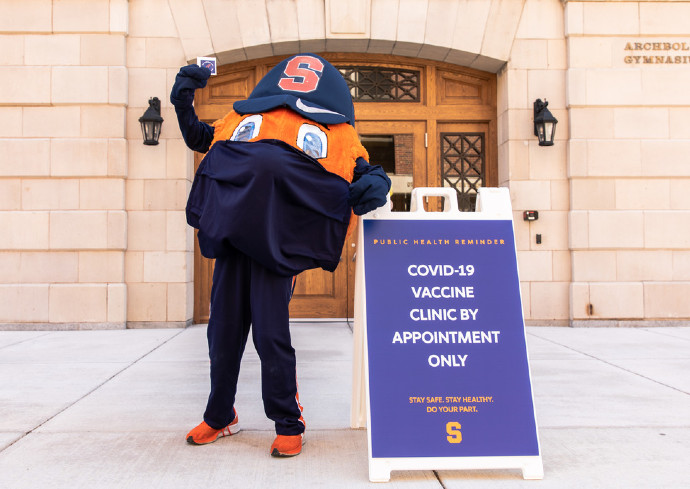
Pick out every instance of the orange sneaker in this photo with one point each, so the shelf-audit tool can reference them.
(287, 446)
(203, 433)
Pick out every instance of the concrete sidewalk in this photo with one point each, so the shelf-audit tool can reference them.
(109, 409)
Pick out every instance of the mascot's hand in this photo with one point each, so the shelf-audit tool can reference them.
(368, 193)
(188, 79)
(198, 135)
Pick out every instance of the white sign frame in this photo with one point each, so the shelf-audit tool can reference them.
(492, 204)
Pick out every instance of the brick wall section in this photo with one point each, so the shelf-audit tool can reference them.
(403, 154)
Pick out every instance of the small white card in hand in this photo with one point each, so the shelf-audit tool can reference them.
(209, 63)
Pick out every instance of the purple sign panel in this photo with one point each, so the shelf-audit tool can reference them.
(448, 370)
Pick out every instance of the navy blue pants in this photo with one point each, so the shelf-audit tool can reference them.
(245, 293)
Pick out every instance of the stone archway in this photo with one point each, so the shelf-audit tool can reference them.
(477, 34)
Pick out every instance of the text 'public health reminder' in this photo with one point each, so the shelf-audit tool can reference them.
(446, 341)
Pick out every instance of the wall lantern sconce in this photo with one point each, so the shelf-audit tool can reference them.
(544, 123)
(151, 122)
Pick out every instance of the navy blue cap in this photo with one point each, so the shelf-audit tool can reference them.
(307, 84)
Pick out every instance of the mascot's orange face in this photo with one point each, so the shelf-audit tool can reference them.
(336, 146)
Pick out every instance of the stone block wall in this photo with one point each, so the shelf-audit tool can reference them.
(536, 175)
(94, 229)
(159, 257)
(64, 163)
(94, 232)
(627, 159)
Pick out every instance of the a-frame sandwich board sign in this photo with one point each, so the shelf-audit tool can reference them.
(447, 376)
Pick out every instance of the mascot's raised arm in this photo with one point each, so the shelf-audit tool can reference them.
(274, 196)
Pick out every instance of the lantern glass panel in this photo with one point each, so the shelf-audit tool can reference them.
(151, 132)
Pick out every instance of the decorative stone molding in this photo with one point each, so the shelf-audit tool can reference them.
(478, 35)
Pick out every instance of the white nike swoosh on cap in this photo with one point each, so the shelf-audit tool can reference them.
(314, 110)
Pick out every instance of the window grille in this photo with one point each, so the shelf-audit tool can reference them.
(463, 158)
(378, 84)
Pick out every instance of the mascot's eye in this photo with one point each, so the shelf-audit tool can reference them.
(312, 141)
(248, 128)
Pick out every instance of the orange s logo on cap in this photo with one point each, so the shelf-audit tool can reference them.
(299, 78)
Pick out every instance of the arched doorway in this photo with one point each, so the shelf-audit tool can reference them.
(428, 123)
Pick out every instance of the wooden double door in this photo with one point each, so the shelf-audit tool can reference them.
(446, 138)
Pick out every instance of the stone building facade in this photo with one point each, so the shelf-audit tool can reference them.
(93, 226)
